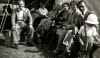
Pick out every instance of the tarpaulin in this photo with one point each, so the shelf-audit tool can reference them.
(94, 5)
(61, 1)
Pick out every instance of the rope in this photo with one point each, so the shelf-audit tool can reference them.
(2, 20)
(30, 4)
(46, 3)
(4, 23)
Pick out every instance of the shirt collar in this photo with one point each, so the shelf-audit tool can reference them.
(85, 11)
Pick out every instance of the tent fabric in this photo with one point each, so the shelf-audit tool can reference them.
(60, 2)
(94, 6)
(4, 4)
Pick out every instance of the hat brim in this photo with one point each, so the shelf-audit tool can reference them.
(92, 22)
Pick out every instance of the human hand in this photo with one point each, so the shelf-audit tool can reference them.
(53, 23)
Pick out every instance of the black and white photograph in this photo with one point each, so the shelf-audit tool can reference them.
(49, 29)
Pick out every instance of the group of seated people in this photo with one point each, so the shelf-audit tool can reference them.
(68, 23)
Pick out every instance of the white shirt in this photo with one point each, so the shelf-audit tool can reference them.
(91, 31)
(42, 11)
(20, 13)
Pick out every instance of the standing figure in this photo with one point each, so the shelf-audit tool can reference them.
(22, 19)
(87, 32)
(87, 35)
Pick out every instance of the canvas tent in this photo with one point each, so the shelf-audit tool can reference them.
(94, 5)
(61, 1)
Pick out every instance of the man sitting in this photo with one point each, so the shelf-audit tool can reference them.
(21, 19)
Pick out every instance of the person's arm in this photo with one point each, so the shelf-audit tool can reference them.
(30, 17)
(38, 11)
(95, 34)
(47, 11)
(80, 40)
(32, 9)
(76, 19)
(96, 38)
(80, 34)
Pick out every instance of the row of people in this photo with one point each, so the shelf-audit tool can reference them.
(76, 20)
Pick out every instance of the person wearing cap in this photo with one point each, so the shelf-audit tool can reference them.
(87, 35)
(22, 19)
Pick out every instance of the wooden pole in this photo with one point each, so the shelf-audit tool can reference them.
(13, 7)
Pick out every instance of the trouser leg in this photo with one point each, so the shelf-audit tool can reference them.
(30, 33)
(68, 39)
(61, 35)
(59, 43)
(16, 35)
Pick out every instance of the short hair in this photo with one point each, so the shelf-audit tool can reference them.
(79, 3)
(41, 3)
(72, 2)
(66, 3)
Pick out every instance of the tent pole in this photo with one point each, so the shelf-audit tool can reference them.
(13, 6)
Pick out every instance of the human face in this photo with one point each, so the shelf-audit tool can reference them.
(81, 7)
(65, 7)
(41, 5)
(21, 4)
(90, 25)
(73, 6)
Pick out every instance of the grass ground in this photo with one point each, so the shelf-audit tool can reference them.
(36, 51)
